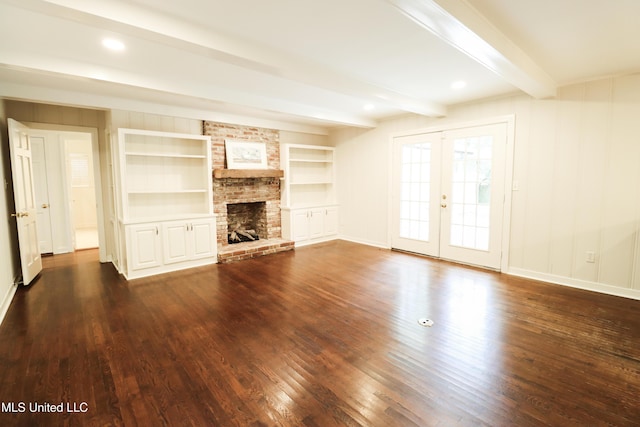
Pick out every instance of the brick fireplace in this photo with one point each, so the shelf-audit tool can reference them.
(246, 189)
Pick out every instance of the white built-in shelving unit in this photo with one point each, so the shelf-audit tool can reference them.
(166, 201)
(309, 208)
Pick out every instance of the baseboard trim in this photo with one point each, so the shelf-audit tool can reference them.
(6, 302)
(304, 243)
(363, 242)
(575, 283)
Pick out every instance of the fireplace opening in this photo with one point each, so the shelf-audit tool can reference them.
(246, 222)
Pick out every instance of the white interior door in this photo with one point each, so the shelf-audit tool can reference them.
(448, 194)
(41, 188)
(25, 201)
(51, 190)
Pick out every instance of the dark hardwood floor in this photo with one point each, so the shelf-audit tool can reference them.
(324, 335)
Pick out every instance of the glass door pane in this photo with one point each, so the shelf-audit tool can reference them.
(416, 180)
(415, 191)
(471, 192)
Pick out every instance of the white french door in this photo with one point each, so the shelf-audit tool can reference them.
(448, 194)
(416, 192)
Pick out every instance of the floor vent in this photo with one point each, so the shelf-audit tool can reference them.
(425, 322)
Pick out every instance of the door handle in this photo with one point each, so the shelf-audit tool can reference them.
(45, 206)
(443, 205)
(20, 214)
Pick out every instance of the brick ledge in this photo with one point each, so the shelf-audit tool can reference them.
(248, 250)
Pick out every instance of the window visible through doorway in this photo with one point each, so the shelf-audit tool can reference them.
(79, 170)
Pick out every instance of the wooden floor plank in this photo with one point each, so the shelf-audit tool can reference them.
(326, 335)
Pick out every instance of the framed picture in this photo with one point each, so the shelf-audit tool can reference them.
(245, 155)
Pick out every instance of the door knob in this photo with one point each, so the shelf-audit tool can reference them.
(20, 214)
(45, 206)
(443, 205)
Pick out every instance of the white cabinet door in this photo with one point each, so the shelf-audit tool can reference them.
(316, 223)
(203, 238)
(175, 239)
(300, 223)
(331, 221)
(144, 243)
(313, 223)
(188, 240)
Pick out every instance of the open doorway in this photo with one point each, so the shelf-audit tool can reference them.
(64, 171)
(82, 190)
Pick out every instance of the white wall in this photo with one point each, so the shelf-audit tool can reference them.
(577, 163)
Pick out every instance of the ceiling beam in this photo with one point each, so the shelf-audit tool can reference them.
(66, 96)
(134, 20)
(463, 27)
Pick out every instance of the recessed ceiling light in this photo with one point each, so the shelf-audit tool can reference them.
(368, 107)
(460, 84)
(113, 44)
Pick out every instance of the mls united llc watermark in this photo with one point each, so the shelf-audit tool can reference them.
(66, 407)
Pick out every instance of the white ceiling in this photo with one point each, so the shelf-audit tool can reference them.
(307, 65)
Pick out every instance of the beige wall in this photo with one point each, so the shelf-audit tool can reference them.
(145, 121)
(577, 163)
(288, 137)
